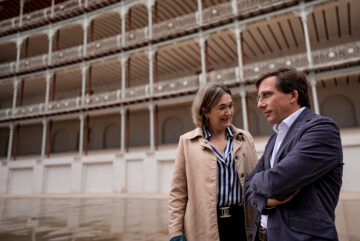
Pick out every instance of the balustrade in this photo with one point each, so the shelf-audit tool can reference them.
(67, 9)
(176, 86)
(104, 46)
(29, 110)
(218, 13)
(64, 105)
(100, 99)
(135, 37)
(33, 63)
(67, 55)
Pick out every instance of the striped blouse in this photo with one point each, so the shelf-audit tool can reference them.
(228, 183)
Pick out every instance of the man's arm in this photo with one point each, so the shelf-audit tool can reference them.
(317, 151)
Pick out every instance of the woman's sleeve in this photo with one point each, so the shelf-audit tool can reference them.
(178, 194)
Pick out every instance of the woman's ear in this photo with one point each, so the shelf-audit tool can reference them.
(203, 110)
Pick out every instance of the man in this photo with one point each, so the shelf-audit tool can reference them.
(296, 183)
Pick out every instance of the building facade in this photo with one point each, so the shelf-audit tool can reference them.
(95, 93)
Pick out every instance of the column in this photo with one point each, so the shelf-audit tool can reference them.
(81, 134)
(16, 84)
(123, 26)
(10, 144)
(152, 140)
(202, 42)
(238, 31)
(122, 127)
(314, 92)
(234, 7)
(85, 26)
(50, 37)
(48, 139)
(86, 135)
(151, 70)
(18, 51)
(83, 83)
(150, 23)
(47, 93)
(303, 15)
(244, 108)
(44, 135)
(123, 75)
(21, 11)
(200, 15)
(52, 8)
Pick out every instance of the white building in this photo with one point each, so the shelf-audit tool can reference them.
(95, 93)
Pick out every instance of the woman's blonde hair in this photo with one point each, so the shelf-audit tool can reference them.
(206, 97)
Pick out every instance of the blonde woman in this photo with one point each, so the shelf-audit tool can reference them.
(206, 201)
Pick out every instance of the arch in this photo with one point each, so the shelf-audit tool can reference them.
(68, 36)
(111, 136)
(110, 20)
(8, 52)
(341, 109)
(34, 45)
(59, 141)
(136, 17)
(172, 128)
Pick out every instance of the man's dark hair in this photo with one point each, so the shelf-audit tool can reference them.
(287, 80)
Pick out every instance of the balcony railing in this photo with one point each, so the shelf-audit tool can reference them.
(172, 27)
(67, 9)
(321, 58)
(34, 63)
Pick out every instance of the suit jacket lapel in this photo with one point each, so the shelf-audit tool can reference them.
(291, 132)
(268, 151)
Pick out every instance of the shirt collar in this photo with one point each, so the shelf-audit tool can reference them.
(228, 132)
(288, 121)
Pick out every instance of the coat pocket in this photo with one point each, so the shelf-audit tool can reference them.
(313, 224)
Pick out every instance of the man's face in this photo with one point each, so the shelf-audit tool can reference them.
(275, 105)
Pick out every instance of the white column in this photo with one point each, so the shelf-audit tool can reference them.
(10, 144)
(52, 8)
(234, 7)
(124, 58)
(244, 109)
(150, 23)
(21, 11)
(18, 51)
(151, 70)
(50, 37)
(199, 3)
(81, 134)
(85, 26)
(123, 26)
(238, 31)
(152, 136)
(47, 93)
(202, 43)
(16, 84)
(314, 92)
(303, 15)
(122, 127)
(83, 83)
(44, 134)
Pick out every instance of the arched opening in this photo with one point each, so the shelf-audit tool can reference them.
(111, 136)
(59, 141)
(341, 109)
(171, 130)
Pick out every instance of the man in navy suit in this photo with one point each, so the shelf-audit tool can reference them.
(296, 184)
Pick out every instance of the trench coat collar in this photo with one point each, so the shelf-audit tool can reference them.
(197, 133)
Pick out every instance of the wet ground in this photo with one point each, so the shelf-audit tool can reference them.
(114, 218)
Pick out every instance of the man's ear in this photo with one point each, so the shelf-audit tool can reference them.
(294, 96)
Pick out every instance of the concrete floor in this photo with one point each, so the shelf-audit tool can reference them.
(114, 218)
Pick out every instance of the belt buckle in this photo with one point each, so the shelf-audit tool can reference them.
(262, 234)
(225, 212)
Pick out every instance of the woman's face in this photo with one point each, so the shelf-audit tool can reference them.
(221, 113)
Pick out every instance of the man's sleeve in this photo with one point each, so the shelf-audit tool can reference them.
(316, 152)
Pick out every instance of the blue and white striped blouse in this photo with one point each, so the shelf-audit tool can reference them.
(228, 183)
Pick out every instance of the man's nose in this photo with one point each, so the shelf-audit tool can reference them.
(261, 104)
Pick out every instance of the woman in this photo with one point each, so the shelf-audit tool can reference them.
(206, 201)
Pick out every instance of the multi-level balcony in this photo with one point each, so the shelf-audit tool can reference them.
(182, 25)
(337, 55)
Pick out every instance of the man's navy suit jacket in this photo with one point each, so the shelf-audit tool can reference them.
(310, 159)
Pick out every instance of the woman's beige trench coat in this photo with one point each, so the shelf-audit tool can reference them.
(192, 200)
